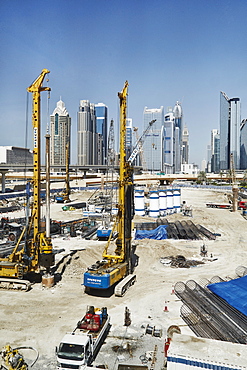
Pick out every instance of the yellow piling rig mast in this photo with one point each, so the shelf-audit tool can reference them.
(114, 267)
(33, 249)
(125, 184)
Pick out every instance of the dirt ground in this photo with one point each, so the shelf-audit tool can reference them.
(40, 317)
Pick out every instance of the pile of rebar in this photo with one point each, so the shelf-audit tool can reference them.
(179, 229)
(210, 316)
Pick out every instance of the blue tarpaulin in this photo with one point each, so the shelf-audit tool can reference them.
(234, 292)
(159, 233)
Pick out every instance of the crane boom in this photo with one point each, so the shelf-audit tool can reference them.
(139, 143)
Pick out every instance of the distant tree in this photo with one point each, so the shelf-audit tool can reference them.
(202, 177)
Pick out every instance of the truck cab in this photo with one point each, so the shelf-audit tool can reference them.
(74, 351)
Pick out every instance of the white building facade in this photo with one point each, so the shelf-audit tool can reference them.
(60, 131)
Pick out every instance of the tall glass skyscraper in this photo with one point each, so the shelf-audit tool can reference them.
(178, 114)
(215, 151)
(243, 145)
(101, 112)
(185, 145)
(230, 118)
(215, 159)
(169, 141)
(153, 147)
(60, 123)
(87, 138)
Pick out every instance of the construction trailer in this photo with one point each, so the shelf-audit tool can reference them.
(187, 352)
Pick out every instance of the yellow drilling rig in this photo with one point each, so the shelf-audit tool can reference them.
(33, 251)
(115, 270)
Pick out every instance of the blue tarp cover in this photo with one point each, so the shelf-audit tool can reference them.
(158, 233)
(234, 292)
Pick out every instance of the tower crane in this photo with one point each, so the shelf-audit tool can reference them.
(115, 270)
(33, 250)
(143, 162)
(139, 143)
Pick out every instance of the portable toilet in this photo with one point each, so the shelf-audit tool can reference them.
(169, 201)
(162, 202)
(154, 204)
(139, 202)
(177, 200)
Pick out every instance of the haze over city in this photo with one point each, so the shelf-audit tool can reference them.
(169, 51)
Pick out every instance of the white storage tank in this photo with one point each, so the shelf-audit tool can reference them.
(176, 200)
(139, 202)
(154, 204)
(169, 201)
(162, 202)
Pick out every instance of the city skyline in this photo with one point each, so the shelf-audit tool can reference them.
(168, 51)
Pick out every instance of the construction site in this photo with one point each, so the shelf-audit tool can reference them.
(141, 293)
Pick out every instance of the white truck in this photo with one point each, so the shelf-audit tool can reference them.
(79, 348)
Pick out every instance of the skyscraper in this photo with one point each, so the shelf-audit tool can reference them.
(243, 145)
(87, 138)
(230, 117)
(60, 133)
(215, 160)
(185, 145)
(169, 141)
(214, 147)
(101, 112)
(178, 115)
(153, 146)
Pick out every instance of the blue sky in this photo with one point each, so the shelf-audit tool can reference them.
(185, 50)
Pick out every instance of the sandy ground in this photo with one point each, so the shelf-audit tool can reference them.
(40, 317)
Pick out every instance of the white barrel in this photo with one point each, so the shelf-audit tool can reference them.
(177, 200)
(154, 204)
(139, 202)
(169, 201)
(114, 211)
(162, 202)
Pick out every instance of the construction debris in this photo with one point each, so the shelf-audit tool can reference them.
(179, 261)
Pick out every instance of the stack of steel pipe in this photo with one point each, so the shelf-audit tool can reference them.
(213, 314)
